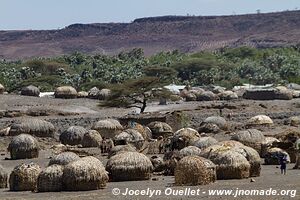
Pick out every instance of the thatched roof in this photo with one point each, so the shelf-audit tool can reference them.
(64, 158)
(33, 126)
(93, 93)
(2, 89)
(190, 96)
(30, 91)
(205, 142)
(273, 155)
(219, 121)
(249, 136)
(208, 128)
(230, 143)
(184, 137)
(50, 179)
(270, 140)
(87, 173)
(104, 94)
(3, 177)
(228, 95)
(190, 151)
(129, 166)
(82, 94)
(73, 135)
(23, 146)
(207, 96)
(290, 135)
(158, 163)
(24, 177)
(260, 120)
(129, 136)
(144, 130)
(160, 129)
(65, 92)
(121, 149)
(108, 128)
(192, 170)
(92, 139)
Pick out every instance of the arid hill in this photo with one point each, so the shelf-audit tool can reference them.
(185, 33)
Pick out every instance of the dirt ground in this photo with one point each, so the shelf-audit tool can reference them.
(84, 112)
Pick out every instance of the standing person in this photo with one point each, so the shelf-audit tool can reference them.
(283, 161)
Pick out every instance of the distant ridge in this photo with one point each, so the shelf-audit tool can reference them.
(154, 34)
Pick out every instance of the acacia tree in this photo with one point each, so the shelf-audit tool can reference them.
(137, 93)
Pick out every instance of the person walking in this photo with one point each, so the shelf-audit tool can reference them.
(282, 162)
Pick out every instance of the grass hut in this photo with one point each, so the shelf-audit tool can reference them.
(212, 169)
(104, 94)
(3, 177)
(73, 135)
(207, 96)
(121, 149)
(160, 129)
(266, 144)
(219, 121)
(228, 95)
(230, 143)
(30, 91)
(184, 137)
(189, 151)
(24, 177)
(273, 155)
(23, 146)
(65, 92)
(208, 128)
(205, 142)
(32, 126)
(250, 137)
(2, 89)
(192, 170)
(144, 130)
(259, 120)
(108, 128)
(130, 136)
(63, 158)
(129, 166)
(158, 163)
(93, 93)
(50, 179)
(82, 94)
(92, 139)
(253, 158)
(87, 173)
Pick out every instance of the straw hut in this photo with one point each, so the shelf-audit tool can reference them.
(73, 135)
(160, 129)
(93, 93)
(253, 158)
(274, 154)
(190, 151)
(293, 121)
(63, 158)
(207, 96)
(260, 120)
(228, 95)
(3, 177)
(130, 136)
(158, 163)
(219, 121)
(108, 128)
(82, 94)
(208, 128)
(50, 179)
(129, 166)
(32, 126)
(190, 96)
(2, 89)
(104, 94)
(184, 137)
(192, 170)
(24, 177)
(65, 92)
(87, 173)
(23, 146)
(92, 139)
(120, 149)
(250, 137)
(230, 143)
(205, 142)
(212, 169)
(266, 144)
(144, 130)
(30, 91)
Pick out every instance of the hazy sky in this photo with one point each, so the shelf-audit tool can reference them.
(53, 14)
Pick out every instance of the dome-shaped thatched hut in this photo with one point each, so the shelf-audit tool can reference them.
(192, 170)
(230, 143)
(30, 91)
(82, 94)
(65, 92)
(184, 137)
(24, 177)
(129, 166)
(87, 173)
(205, 142)
(121, 149)
(3, 177)
(259, 120)
(160, 129)
(50, 179)
(158, 163)
(250, 137)
(104, 94)
(212, 169)
(130, 136)
(93, 93)
(23, 146)
(208, 128)
(273, 156)
(266, 144)
(219, 121)
(63, 158)
(92, 139)
(32, 126)
(2, 89)
(73, 135)
(189, 151)
(108, 128)
(228, 95)
(207, 96)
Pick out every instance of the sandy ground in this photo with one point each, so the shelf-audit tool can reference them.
(84, 112)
